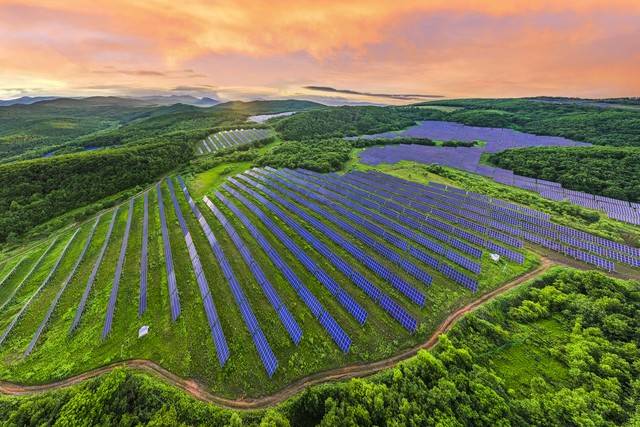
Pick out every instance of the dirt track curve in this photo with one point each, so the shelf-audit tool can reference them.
(199, 391)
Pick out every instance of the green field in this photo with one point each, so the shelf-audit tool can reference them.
(185, 347)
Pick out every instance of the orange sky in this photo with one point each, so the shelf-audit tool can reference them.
(243, 48)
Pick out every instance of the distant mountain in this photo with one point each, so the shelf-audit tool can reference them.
(179, 99)
(269, 106)
(24, 100)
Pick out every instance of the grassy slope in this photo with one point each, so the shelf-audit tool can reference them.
(186, 346)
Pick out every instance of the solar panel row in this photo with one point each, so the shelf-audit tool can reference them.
(346, 300)
(174, 297)
(262, 346)
(401, 214)
(431, 206)
(542, 226)
(94, 272)
(371, 290)
(44, 283)
(395, 226)
(27, 277)
(144, 261)
(397, 282)
(113, 297)
(286, 318)
(65, 283)
(331, 326)
(217, 334)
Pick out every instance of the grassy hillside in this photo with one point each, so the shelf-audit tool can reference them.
(380, 337)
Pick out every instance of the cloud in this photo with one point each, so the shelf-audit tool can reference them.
(451, 47)
(406, 97)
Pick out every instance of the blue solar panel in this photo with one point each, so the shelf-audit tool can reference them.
(336, 332)
(292, 327)
(144, 261)
(111, 307)
(264, 350)
(174, 298)
(217, 334)
(346, 300)
(94, 272)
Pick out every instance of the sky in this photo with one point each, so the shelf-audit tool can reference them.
(246, 49)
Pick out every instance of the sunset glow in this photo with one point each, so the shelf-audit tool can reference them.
(248, 49)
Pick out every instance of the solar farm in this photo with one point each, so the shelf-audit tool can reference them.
(229, 139)
(497, 139)
(273, 275)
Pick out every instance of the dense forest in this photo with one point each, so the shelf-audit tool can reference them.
(617, 127)
(560, 351)
(328, 155)
(608, 171)
(342, 122)
(34, 191)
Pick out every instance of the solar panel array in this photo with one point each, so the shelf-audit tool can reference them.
(262, 346)
(380, 270)
(286, 318)
(113, 297)
(65, 283)
(229, 139)
(94, 272)
(468, 159)
(377, 295)
(369, 210)
(516, 222)
(357, 232)
(174, 297)
(335, 331)
(144, 258)
(44, 283)
(345, 300)
(217, 334)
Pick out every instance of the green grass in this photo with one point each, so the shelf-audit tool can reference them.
(185, 347)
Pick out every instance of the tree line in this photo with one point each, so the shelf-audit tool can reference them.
(607, 171)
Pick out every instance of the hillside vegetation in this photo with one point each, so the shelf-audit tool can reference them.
(34, 191)
(561, 351)
(581, 123)
(607, 171)
(345, 121)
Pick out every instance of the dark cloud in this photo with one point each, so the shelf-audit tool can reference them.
(373, 94)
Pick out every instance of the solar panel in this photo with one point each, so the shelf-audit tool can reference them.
(174, 298)
(331, 326)
(94, 272)
(217, 334)
(287, 320)
(369, 262)
(44, 283)
(144, 261)
(113, 297)
(65, 283)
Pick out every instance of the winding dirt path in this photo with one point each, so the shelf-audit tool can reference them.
(199, 391)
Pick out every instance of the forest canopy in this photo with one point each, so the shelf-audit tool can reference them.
(607, 171)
